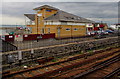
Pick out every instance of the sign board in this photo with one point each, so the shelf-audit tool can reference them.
(26, 35)
(10, 36)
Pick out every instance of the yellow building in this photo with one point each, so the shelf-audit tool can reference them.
(52, 20)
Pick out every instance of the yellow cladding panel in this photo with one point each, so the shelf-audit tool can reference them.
(66, 30)
(39, 20)
(78, 31)
(72, 31)
(50, 28)
(47, 12)
(33, 27)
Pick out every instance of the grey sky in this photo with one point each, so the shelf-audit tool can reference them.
(60, 0)
(13, 12)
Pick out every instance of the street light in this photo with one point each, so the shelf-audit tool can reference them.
(38, 16)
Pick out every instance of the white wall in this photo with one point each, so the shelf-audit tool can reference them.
(63, 23)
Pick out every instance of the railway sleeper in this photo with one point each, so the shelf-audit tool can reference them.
(69, 66)
(77, 64)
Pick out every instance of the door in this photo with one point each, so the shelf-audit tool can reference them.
(58, 32)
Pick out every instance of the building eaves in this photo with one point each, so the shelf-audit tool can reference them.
(30, 16)
(46, 7)
(64, 16)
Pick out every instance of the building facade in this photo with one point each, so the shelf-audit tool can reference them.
(49, 19)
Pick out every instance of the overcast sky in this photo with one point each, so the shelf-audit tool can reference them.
(13, 12)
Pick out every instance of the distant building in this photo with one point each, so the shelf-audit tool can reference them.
(6, 30)
(115, 26)
(49, 19)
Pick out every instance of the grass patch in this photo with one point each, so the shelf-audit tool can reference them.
(54, 60)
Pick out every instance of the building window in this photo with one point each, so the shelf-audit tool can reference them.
(75, 29)
(67, 29)
(63, 23)
(48, 30)
(48, 10)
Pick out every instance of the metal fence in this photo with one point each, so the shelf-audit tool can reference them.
(47, 42)
(6, 46)
(50, 42)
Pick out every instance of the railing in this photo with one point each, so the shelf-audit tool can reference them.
(6, 46)
(30, 23)
(30, 41)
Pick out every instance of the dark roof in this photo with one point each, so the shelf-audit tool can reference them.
(64, 16)
(45, 6)
(30, 16)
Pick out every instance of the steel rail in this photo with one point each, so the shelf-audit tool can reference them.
(108, 62)
(6, 75)
(112, 73)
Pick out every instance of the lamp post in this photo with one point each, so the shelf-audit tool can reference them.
(37, 28)
(38, 17)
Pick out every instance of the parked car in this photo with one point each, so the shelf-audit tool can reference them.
(100, 34)
(109, 31)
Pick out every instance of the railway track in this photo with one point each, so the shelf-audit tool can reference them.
(111, 74)
(46, 59)
(56, 68)
(80, 72)
(27, 58)
(97, 67)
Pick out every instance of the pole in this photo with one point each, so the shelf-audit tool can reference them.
(37, 28)
(20, 57)
(44, 21)
(25, 20)
(71, 31)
